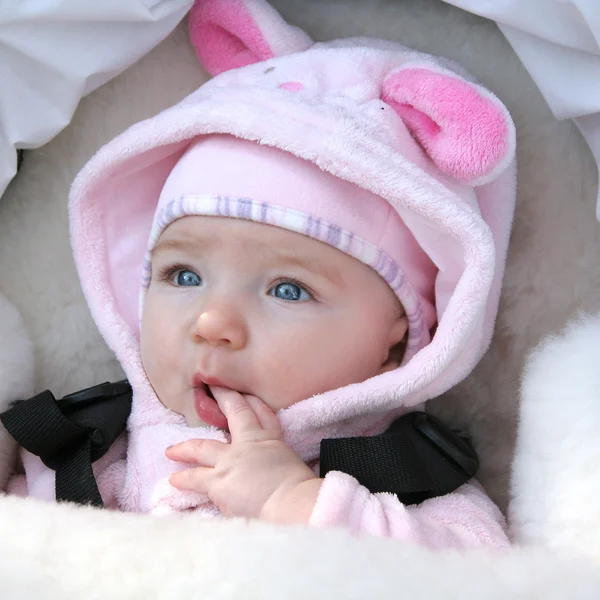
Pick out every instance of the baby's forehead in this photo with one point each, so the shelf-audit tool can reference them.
(200, 231)
(250, 240)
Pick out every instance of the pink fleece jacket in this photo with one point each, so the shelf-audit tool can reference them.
(348, 106)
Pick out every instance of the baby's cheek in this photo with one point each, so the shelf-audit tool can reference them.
(311, 374)
(312, 362)
(151, 362)
(358, 358)
(283, 377)
(156, 350)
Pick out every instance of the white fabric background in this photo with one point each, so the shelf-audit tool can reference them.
(54, 52)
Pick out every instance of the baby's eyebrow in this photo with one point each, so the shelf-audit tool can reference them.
(181, 245)
(280, 255)
(310, 264)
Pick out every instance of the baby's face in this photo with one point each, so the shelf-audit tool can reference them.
(263, 311)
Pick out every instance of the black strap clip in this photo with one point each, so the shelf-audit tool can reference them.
(417, 458)
(72, 433)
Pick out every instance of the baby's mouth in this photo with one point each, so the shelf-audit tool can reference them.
(207, 408)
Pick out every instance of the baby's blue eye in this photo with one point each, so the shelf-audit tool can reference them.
(291, 292)
(187, 278)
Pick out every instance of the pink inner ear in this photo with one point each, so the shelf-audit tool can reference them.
(226, 36)
(465, 133)
(417, 121)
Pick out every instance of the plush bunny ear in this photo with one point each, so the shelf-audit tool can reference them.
(465, 129)
(228, 34)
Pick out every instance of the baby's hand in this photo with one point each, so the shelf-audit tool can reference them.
(257, 475)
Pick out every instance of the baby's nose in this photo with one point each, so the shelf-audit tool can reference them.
(221, 326)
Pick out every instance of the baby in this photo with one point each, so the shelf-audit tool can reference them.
(321, 232)
(259, 316)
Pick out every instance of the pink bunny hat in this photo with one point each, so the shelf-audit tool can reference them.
(396, 124)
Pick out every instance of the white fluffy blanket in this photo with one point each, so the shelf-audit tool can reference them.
(51, 551)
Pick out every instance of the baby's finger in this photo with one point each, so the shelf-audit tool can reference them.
(265, 415)
(238, 412)
(194, 480)
(201, 452)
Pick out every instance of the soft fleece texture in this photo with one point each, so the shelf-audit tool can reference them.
(338, 120)
(548, 454)
(40, 552)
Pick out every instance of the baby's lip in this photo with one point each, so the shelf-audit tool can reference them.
(207, 408)
(200, 380)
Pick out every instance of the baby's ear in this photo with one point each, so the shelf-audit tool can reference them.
(228, 34)
(463, 127)
(396, 345)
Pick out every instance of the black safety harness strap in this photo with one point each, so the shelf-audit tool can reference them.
(416, 459)
(70, 434)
